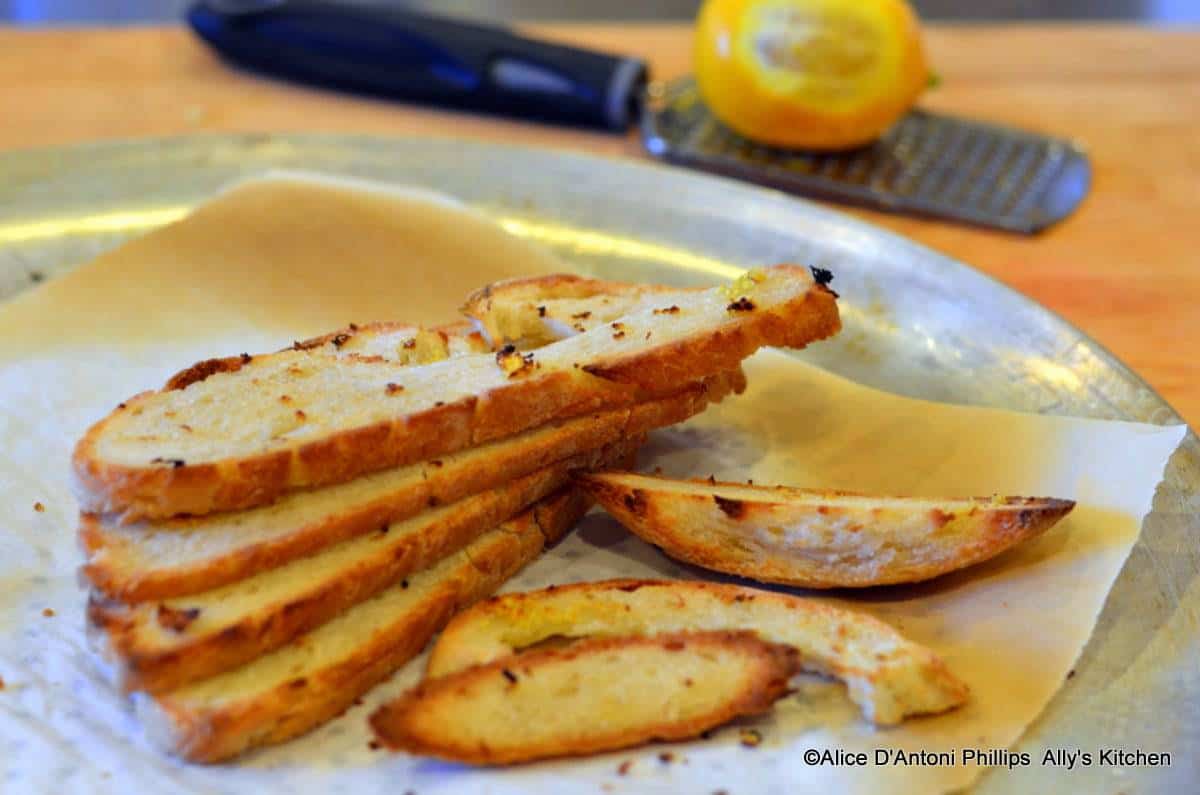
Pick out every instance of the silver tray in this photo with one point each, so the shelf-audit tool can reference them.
(916, 323)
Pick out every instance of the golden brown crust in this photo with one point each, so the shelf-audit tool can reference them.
(153, 659)
(110, 570)
(887, 675)
(202, 370)
(439, 717)
(173, 487)
(215, 732)
(818, 539)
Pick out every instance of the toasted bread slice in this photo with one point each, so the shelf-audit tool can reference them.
(177, 557)
(394, 342)
(596, 695)
(818, 539)
(231, 440)
(888, 676)
(535, 311)
(317, 676)
(157, 646)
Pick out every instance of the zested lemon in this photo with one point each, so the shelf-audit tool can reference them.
(809, 74)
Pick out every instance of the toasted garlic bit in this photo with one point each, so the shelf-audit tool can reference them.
(512, 362)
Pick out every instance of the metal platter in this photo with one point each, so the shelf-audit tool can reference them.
(916, 323)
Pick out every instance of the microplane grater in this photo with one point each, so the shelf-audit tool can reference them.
(929, 164)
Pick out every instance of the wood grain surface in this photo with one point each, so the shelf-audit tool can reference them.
(1125, 268)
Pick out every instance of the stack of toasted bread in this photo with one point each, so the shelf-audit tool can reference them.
(269, 536)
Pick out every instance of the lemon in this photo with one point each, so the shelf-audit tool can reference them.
(809, 74)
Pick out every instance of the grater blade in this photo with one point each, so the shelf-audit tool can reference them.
(928, 164)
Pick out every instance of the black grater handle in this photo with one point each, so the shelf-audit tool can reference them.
(390, 51)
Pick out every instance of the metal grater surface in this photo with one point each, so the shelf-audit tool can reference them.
(927, 164)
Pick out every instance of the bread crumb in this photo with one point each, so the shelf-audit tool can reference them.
(514, 363)
(1, 682)
(666, 757)
(48, 612)
(393, 388)
(37, 506)
(751, 738)
(623, 768)
(374, 745)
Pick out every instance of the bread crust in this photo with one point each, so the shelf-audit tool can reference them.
(118, 569)
(161, 646)
(888, 676)
(205, 732)
(606, 380)
(442, 717)
(815, 539)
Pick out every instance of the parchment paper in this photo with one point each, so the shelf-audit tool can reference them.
(282, 259)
